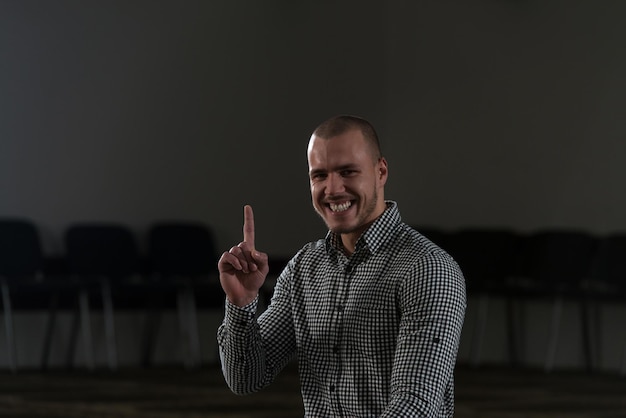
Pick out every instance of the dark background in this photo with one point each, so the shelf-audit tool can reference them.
(491, 113)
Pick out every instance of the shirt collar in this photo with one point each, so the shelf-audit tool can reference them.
(374, 236)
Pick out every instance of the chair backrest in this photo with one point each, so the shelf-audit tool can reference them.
(610, 262)
(184, 249)
(559, 256)
(485, 255)
(100, 249)
(436, 235)
(20, 249)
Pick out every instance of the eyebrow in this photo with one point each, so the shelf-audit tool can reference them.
(340, 168)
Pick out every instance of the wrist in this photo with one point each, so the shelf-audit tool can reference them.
(243, 301)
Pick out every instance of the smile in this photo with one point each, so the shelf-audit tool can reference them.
(340, 207)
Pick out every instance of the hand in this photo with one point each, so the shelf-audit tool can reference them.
(243, 269)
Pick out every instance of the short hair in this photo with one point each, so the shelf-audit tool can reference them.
(340, 124)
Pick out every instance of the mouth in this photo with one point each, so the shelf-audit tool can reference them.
(340, 207)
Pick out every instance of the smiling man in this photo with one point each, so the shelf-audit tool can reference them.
(348, 176)
(373, 312)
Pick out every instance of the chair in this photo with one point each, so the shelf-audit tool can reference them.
(21, 261)
(101, 257)
(276, 266)
(608, 278)
(488, 258)
(183, 255)
(436, 235)
(558, 262)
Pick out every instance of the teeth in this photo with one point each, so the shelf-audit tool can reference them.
(340, 207)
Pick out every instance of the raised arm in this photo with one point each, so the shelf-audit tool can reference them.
(252, 352)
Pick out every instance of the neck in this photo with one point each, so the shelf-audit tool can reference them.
(348, 240)
(349, 243)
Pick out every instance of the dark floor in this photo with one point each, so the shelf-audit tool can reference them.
(174, 392)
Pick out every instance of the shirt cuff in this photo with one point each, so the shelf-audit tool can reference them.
(239, 317)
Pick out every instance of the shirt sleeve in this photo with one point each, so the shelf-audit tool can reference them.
(433, 302)
(253, 351)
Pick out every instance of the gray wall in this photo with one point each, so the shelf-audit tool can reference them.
(510, 113)
(491, 112)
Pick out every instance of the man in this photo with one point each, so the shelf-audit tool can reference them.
(373, 312)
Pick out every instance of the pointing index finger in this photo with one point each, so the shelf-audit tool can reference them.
(248, 225)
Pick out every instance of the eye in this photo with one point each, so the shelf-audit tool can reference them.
(318, 176)
(347, 173)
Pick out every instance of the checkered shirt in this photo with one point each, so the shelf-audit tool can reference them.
(376, 334)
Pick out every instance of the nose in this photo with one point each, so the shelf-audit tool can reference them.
(334, 184)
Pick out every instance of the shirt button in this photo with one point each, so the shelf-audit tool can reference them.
(348, 269)
(335, 349)
(331, 388)
(340, 308)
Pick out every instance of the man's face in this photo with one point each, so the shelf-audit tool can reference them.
(347, 181)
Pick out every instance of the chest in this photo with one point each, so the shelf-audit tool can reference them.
(349, 301)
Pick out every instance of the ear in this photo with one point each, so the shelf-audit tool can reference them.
(383, 170)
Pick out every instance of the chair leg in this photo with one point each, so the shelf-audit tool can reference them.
(150, 333)
(623, 368)
(520, 331)
(194, 333)
(479, 330)
(557, 311)
(184, 327)
(596, 322)
(189, 327)
(512, 331)
(9, 329)
(47, 342)
(83, 302)
(109, 324)
(71, 351)
(586, 335)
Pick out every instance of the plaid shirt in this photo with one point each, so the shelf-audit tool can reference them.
(376, 334)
